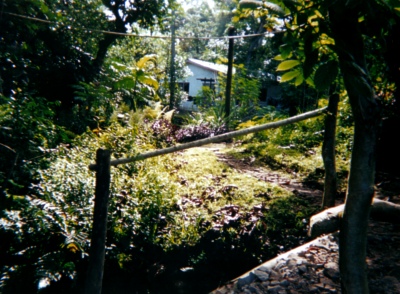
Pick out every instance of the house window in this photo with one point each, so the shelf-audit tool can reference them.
(184, 86)
(208, 83)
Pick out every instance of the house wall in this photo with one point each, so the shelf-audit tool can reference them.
(198, 73)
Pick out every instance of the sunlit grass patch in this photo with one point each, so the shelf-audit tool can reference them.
(203, 175)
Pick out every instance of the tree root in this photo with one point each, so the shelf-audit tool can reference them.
(328, 221)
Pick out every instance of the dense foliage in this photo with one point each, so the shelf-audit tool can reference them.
(50, 46)
(67, 88)
(319, 40)
(155, 214)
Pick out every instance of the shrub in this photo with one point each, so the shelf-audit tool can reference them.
(27, 134)
(49, 228)
(167, 132)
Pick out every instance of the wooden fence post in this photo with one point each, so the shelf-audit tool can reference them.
(231, 32)
(329, 153)
(172, 65)
(94, 277)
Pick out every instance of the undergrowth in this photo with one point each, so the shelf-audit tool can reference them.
(296, 148)
(169, 216)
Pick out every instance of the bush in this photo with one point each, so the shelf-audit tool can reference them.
(50, 226)
(169, 133)
(27, 134)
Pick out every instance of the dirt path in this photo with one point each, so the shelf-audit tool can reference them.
(314, 269)
(262, 173)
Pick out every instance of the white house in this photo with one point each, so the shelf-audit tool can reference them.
(204, 73)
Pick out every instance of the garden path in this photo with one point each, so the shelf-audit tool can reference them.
(313, 267)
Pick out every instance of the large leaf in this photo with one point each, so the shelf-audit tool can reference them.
(144, 60)
(148, 81)
(286, 50)
(118, 66)
(125, 83)
(287, 64)
(290, 75)
(299, 80)
(326, 74)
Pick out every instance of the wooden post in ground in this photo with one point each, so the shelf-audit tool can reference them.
(94, 277)
(172, 65)
(231, 32)
(329, 153)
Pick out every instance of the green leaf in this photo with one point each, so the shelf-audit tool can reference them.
(144, 60)
(310, 82)
(254, 4)
(15, 184)
(290, 75)
(325, 75)
(319, 14)
(125, 83)
(287, 64)
(286, 50)
(119, 66)
(299, 80)
(235, 19)
(149, 81)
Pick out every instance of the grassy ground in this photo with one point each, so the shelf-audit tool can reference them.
(234, 212)
(181, 223)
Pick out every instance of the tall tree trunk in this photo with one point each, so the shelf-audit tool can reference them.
(328, 153)
(108, 40)
(353, 231)
(104, 44)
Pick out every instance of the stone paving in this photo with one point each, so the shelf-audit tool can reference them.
(310, 268)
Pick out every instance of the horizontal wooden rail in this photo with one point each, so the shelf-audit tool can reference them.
(218, 138)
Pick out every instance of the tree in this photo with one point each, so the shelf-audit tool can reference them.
(56, 44)
(262, 53)
(198, 21)
(259, 21)
(338, 28)
(353, 232)
(138, 81)
(51, 54)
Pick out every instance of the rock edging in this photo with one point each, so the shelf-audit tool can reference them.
(310, 268)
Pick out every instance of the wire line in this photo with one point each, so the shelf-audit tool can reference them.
(137, 35)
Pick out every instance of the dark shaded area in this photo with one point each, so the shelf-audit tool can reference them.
(388, 149)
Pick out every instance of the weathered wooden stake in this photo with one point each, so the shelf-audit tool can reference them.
(231, 32)
(94, 277)
(172, 65)
(329, 153)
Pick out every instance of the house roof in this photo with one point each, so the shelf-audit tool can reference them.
(209, 65)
